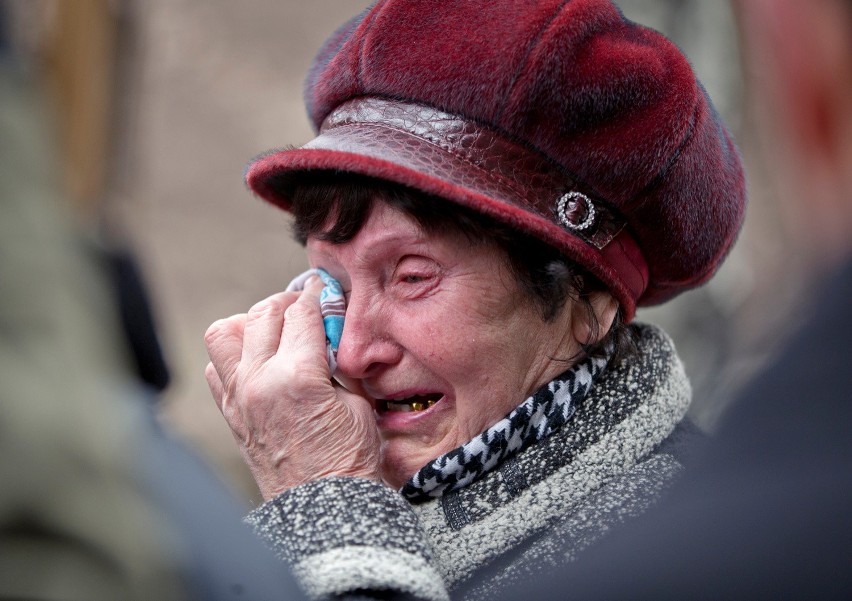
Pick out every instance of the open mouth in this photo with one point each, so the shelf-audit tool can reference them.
(418, 402)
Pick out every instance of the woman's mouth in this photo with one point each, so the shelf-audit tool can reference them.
(417, 402)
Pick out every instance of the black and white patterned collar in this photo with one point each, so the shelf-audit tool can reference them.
(537, 417)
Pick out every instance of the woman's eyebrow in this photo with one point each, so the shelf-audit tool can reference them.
(387, 242)
(406, 236)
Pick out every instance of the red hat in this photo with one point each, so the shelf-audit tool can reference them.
(561, 118)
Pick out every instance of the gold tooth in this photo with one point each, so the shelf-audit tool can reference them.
(431, 402)
(417, 406)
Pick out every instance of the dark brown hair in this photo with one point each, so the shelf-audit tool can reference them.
(333, 206)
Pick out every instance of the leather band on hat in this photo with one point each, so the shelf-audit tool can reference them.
(515, 173)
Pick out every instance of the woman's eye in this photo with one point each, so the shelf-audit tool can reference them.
(414, 278)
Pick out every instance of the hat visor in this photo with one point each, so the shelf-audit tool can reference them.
(403, 158)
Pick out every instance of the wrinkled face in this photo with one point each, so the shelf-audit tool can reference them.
(439, 334)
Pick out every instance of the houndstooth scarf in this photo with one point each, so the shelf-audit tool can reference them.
(537, 417)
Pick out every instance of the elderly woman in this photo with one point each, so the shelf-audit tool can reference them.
(496, 185)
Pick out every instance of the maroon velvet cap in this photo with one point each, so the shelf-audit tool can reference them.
(561, 118)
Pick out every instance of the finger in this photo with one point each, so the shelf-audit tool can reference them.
(303, 336)
(224, 341)
(225, 403)
(263, 328)
(350, 384)
(359, 403)
(215, 384)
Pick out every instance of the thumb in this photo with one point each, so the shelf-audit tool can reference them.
(303, 337)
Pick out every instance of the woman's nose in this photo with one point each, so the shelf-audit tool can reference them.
(365, 345)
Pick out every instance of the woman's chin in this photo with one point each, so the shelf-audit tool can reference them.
(401, 459)
(396, 473)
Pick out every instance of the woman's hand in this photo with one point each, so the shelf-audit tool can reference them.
(270, 378)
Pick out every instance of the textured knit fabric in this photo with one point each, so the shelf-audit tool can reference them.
(537, 417)
(536, 510)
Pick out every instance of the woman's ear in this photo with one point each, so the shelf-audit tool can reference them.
(583, 326)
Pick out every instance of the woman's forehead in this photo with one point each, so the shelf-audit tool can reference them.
(384, 227)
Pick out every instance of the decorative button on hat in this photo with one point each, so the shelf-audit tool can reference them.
(576, 211)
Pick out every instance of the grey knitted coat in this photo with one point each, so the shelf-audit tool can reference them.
(533, 512)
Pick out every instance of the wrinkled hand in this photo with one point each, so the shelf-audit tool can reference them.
(269, 375)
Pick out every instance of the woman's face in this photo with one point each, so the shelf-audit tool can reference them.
(439, 334)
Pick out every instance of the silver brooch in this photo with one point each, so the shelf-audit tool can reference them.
(576, 211)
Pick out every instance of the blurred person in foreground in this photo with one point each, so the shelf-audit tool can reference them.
(496, 185)
(764, 512)
(96, 502)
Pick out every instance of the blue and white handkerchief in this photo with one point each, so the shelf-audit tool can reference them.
(332, 306)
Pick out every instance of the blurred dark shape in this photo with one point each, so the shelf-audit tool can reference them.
(4, 35)
(137, 320)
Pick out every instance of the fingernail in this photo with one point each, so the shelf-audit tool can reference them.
(314, 282)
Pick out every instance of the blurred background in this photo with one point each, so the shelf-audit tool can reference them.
(147, 111)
